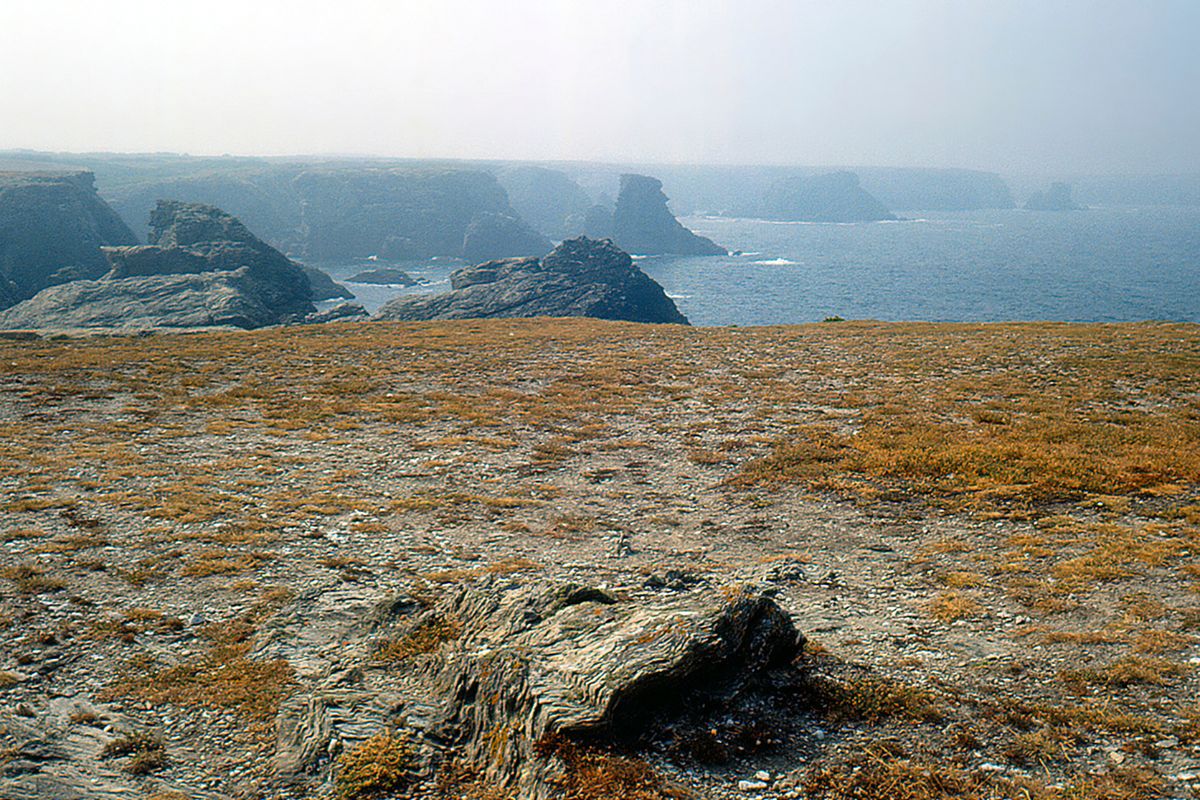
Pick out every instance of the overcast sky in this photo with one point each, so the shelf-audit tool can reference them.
(1044, 86)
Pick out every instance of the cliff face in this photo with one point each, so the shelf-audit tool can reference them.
(204, 268)
(579, 278)
(642, 223)
(547, 199)
(338, 212)
(1056, 198)
(491, 236)
(52, 227)
(924, 189)
(835, 197)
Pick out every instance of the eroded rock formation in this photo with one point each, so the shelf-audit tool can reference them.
(579, 278)
(52, 227)
(498, 671)
(202, 268)
(642, 223)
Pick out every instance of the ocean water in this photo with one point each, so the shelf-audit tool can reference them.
(1100, 265)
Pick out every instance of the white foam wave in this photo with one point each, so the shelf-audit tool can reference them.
(777, 262)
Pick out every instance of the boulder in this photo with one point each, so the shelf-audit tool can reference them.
(642, 223)
(342, 312)
(197, 300)
(385, 276)
(834, 197)
(506, 673)
(491, 236)
(579, 278)
(52, 226)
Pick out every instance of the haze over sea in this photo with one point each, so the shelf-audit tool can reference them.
(1099, 265)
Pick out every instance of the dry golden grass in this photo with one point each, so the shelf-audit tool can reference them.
(952, 605)
(426, 637)
(380, 766)
(1084, 441)
(596, 774)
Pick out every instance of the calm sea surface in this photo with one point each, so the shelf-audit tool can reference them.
(1100, 265)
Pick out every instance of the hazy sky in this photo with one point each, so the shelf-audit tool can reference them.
(1056, 86)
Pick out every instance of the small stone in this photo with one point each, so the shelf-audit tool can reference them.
(762, 775)
(751, 786)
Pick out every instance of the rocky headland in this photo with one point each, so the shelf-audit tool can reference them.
(52, 226)
(580, 278)
(324, 287)
(491, 236)
(547, 199)
(832, 197)
(202, 268)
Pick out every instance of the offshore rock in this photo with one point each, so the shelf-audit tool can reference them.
(1056, 198)
(579, 278)
(385, 276)
(834, 197)
(491, 236)
(52, 227)
(642, 223)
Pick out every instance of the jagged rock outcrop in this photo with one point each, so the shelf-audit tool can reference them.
(833, 197)
(579, 278)
(52, 227)
(196, 300)
(505, 670)
(642, 223)
(491, 236)
(324, 287)
(547, 199)
(1056, 198)
(202, 268)
(385, 276)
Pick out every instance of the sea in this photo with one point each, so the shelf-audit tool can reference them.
(1098, 265)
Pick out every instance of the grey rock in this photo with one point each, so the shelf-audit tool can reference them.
(342, 312)
(547, 199)
(185, 279)
(559, 663)
(522, 665)
(579, 278)
(492, 236)
(324, 287)
(200, 300)
(833, 197)
(52, 226)
(1056, 198)
(385, 276)
(642, 223)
